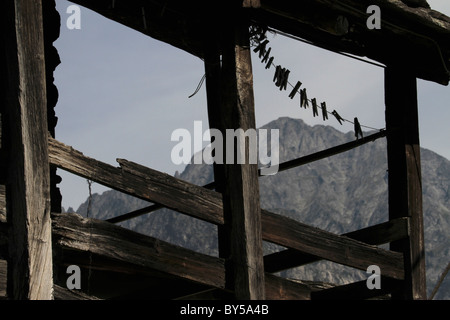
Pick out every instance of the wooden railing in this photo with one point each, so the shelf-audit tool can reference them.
(305, 243)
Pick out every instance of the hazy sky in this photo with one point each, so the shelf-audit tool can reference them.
(122, 94)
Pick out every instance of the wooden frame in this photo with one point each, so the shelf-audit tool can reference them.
(30, 154)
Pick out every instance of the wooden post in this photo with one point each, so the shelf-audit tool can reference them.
(213, 96)
(231, 106)
(23, 88)
(405, 184)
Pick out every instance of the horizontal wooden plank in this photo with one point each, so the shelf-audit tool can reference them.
(330, 151)
(282, 167)
(382, 233)
(292, 234)
(379, 234)
(72, 232)
(151, 185)
(129, 252)
(277, 288)
(141, 182)
(145, 210)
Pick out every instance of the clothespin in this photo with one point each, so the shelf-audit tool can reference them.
(269, 63)
(284, 79)
(281, 77)
(338, 117)
(303, 98)
(314, 107)
(261, 48)
(324, 111)
(266, 56)
(358, 131)
(294, 91)
(276, 76)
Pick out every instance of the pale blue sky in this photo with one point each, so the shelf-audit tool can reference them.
(122, 94)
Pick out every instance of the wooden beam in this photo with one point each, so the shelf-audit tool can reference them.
(414, 34)
(113, 248)
(173, 23)
(145, 210)
(277, 288)
(405, 182)
(213, 73)
(330, 151)
(292, 234)
(28, 186)
(139, 181)
(241, 204)
(65, 294)
(103, 239)
(217, 167)
(375, 235)
(150, 185)
(408, 35)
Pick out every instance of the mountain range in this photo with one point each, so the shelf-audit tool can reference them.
(342, 193)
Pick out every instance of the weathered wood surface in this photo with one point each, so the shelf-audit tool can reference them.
(340, 249)
(150, 185)
(128, 252)
(405, 181)
(241, 204)
(413, 36)
(408, 36)
(375, 235)
(217, 185)
(142, 182)
(124, 251)
(106, 240)
(60, 293)
(149, 209)
(28, 197)
(213, 77)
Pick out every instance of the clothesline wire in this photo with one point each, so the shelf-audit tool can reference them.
(310, 100)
